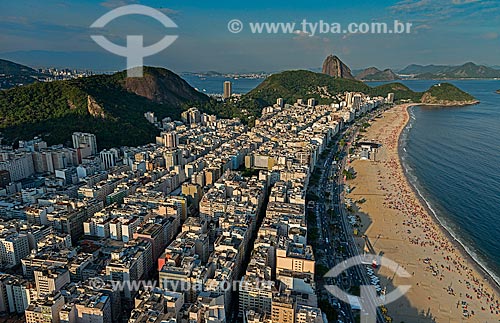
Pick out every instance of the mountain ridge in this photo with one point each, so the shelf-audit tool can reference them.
(111, 106)
(13, 74)
(468, 70)
(374, 74)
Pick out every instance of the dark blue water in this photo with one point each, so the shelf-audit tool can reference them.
(215, 85)
(453, 157)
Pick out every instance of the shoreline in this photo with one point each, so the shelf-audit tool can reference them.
(446, 105)
(448, 283)
(450, 235)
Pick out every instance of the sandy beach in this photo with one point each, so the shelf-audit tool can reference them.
(447, 285)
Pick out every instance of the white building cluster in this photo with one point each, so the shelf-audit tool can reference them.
(209, 218)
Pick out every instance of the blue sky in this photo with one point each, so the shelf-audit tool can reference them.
(57, 33)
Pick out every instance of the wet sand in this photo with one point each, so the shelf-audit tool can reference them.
(445, 280)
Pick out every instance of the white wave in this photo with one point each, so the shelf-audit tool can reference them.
(413, 180)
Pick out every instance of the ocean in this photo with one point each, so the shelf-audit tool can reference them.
(452, 156)
(214, 85)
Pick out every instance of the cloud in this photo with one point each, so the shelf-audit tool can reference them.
(112, 4)
(460, 2)
(436, 7)
(117, 3)
(490, 36)
(410, 5)
(301, 33)
(15, 20)
(168, 11)
(422, 27)
(457, 12)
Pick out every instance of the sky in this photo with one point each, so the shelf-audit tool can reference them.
(56, 33)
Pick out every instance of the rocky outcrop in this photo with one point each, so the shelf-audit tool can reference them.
(94, 108)
(429, 100)
(333, 66)
(71, 105)
(163, 86)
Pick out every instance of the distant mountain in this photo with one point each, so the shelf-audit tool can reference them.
(13, 74)
(374, 74)
(421, 69)
(367, 72)
(293, 85)
(333, 66)
(466, 71)
(110, 106)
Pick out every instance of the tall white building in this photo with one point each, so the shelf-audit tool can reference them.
(45, 310)
(13, 247)
(348, 98)
(191, 116)
(93, 309)
(18, 294)
(228, 90)
(19, 166)
(356, 101)
(307, 314)
(109, 158)
(390, 98)
(168, 139)
(172, 158)
(256, 294)
(85, 140)
(51, 280)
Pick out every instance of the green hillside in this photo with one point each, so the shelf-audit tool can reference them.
(401, 92)
(446, 92)
(113, 106)
(13, 74)
(293, 85)
(116, 115)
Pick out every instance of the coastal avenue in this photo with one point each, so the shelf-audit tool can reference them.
(332, 181)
